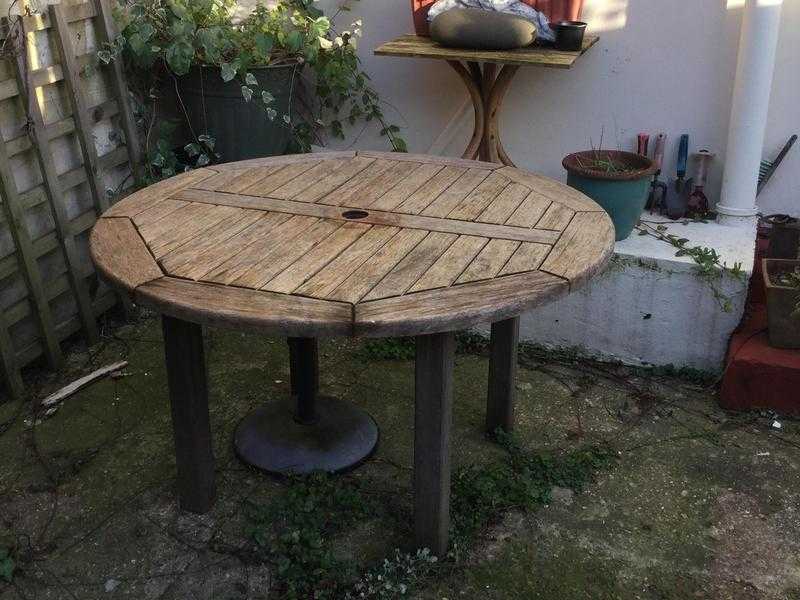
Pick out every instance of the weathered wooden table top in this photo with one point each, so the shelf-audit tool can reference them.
(346, 243)
(418, 46)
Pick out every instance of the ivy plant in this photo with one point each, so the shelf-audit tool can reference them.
(161, 41)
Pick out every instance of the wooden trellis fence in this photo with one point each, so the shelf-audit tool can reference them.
(67, 140)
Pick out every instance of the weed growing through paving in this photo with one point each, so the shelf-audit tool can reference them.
(296, 532)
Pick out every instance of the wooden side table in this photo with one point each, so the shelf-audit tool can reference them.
(487, 86)
(347, 244)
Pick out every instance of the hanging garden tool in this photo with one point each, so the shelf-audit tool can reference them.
(678, 193)
(658, 189)
(768, 168)
(642, 144)
(698, 206)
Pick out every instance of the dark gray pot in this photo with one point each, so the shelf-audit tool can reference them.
(241, 129)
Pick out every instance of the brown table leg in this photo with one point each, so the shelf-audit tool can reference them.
(188, 394)
(502, 376)
(432, 422)
(487, 89)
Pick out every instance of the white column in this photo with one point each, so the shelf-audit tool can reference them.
(751, 92)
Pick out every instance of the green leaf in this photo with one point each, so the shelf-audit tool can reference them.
(250, 79)
(228, 71)
(192, 149)
(179, 57)
(267, 98)
(294, 41)
(264, 43)
(247, 93)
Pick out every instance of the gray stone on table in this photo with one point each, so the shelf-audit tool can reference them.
(482, 30)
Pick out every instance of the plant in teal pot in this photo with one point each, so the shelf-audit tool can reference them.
(618, 181)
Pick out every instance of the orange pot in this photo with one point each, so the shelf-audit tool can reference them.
(556, 10)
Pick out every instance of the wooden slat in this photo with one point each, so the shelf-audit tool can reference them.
(30, 267)
(373, 217)
(431, 160)
(363, 279)
(412, 267)
(83, 126)
(585, 247)
(9, 363)
(489, 262)
(530, 211)
(445, 202)
(424, 197)
(288, 159)
(504, 205)
(425, 47)
(283, 255)
(340, 268)
(528, 257)
(72, 13)
(221, 232)
(555, 191)
(198, 220)
(316, 259)
(275, 180)
(106, 32)
(450, 264)
(305, 178)
(157, 211)
(252, 255)
(337, 177)
(246, 310)
(456, 307)
(381, 185)
(476, 202)
(352, 190)
(121, 255)
(144, 199)
(556, 217)
(410, 184)
(55, 195)
(209, 259)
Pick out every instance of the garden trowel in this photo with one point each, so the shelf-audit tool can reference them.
(679, 190)
(658, 189)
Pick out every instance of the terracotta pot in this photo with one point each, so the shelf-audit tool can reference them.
(556, 10)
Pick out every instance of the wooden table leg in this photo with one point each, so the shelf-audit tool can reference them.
(487, 90)
(432, 422)
(188, 394)
(502, 376)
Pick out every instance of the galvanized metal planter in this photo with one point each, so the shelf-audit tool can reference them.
(783, 316)
(242, 129)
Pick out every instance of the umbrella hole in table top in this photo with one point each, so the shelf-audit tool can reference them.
(346, 244)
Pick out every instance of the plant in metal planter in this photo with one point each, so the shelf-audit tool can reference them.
(281, 75)
(618, 181)
(782, 282)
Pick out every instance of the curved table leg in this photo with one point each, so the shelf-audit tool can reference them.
(306, 432)
(493, 106)
(487, 90)
(477, 102)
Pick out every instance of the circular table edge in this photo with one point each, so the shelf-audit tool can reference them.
(135, 272)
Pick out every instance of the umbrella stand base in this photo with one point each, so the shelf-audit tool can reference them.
(340, 438)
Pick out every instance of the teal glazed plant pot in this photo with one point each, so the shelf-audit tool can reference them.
(617, 181)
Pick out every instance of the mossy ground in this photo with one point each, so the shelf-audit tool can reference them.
(699, 503)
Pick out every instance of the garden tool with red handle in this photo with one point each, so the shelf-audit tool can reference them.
(658, 190)
(698, 201)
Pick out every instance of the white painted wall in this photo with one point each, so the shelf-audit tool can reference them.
(660, 66)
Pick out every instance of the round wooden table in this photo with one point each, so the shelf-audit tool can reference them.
(346, 244)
